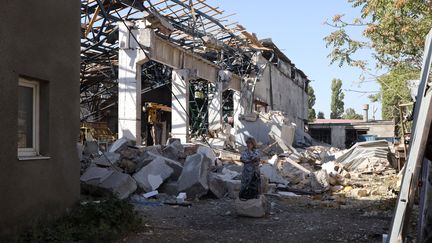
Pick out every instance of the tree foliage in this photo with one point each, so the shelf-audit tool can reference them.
(320, 115)
(394, 90)
(337, 104)
(311, 103)
(395, 31)
(351, 114)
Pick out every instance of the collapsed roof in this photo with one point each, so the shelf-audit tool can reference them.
(191, 24)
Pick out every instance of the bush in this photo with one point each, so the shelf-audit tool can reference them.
(107, 220)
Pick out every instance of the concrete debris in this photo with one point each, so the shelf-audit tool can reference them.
(120, 184)
(256, 208)
(193, 179)
(107, 159)
(366, 157)
(217, 185)
(176, 166)
(118, 144)
(288, 194)
(233, 187)
(174, 150)
(95, 175)
(196, 169)
(302, 139)
(101, 180)
(128, 166)
(150, 177)
(150, 194)
(292, 170)
(271, 173)
(320, 181)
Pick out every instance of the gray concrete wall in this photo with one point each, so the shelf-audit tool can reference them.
(287, 95)
(380, 129)
(41, 40)
(338, 136)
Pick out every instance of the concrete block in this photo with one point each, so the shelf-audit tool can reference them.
(293, 171)
(176, 166)
(217, 185)
(271, 173)
(119, 184)
(118, 144)
(150, 177)
(107, 159)
(256, 208)
(207, 152)
(174, 150)
(193, 179)
(233, 187)
(320, 181)
(95, 175)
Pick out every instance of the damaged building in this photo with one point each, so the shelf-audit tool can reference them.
(39, 93)
(157, 69)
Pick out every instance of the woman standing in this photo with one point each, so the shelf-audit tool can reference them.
(250, 180)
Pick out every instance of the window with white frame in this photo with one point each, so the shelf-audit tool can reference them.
(28, 117)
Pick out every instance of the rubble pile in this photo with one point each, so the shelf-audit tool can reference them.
(191, 171)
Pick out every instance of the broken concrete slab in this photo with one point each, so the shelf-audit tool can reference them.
(233, 187)
(176, 166)
(128, 166)
(293, 171)
(118, 144)
(256, 208)
(193, 179)
(228, 174)
(150, 177)
(95, 175)
(217, 185)
(207, 152)
(119, 184)
(107, 159)
(320, 181)
(174, 150)
(272, 175)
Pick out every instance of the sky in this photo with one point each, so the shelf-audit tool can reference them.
(297, 28)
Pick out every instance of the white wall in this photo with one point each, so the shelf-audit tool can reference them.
(288, 96)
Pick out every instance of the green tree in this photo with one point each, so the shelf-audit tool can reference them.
(320, 115)
(337, 104)
(351, 114)
(311, 103)
(394, 90)
(395, 32)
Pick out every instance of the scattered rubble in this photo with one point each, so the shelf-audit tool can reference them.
(196, 170)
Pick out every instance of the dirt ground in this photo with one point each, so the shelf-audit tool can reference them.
(293, 219)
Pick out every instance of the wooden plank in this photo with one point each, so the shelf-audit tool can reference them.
(92, 21)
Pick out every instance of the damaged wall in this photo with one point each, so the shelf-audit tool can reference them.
(286, 94)
(39, 40)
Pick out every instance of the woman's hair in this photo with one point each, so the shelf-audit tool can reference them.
(252, 141)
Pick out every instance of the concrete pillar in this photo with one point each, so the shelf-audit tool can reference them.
(215, 108)
(129, 88)
(131, 58)
(238, 111)
(180, 105)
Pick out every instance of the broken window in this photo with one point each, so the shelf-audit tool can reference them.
(28, 113)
